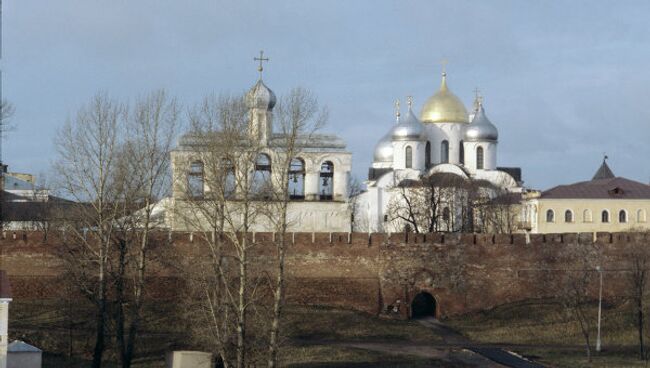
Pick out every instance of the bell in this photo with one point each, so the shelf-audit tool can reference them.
(324, 182)
(295, 178)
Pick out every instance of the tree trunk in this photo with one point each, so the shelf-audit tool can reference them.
(278, 297)
(241, 317)
(640, 327)
(100, 318)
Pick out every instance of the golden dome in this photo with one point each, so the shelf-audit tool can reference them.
(444, 107)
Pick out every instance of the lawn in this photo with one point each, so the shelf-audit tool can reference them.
(545, 331)
(307, 331)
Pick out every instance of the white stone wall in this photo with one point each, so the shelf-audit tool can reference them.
(399, 154)
(489, 155)
(4, 328)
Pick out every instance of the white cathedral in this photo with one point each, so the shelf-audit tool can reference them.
(445, 139)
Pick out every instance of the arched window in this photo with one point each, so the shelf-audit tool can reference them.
(427, 155)
(479, 158)
(640, 216)
(229, 181)
(326, 183)
(195, 180)
(550, 216)
(586, 216)
(408, 157)
(445, 214)
(622, 216)
(461, 153)
(604, 216)
(568, 216)
(261, 184)
(444, 152)
(297, 179)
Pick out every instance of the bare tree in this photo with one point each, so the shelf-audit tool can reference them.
(220, 204)
(298, 116)
(430, 204)
(145, 179)
(241, 184)
(88, 146)
(6, 112)
(573, 286)
(355, 188)
(498, 211)
(639, 260)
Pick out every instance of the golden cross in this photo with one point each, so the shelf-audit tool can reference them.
(261, 59)
(397, 113)
(477, 93)
(409, 99)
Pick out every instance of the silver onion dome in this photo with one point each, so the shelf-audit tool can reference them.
(384, 149)
(260, 97)
(408, 129)
(481, 129)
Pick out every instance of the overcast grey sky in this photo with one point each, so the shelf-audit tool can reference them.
(563, 81)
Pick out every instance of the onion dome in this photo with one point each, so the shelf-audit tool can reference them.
(481, 129)
(384, 149)
(260, 97)
(444, 107)
(408, 129)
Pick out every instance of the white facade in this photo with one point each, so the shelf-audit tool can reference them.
(457, 146)
(318, 187)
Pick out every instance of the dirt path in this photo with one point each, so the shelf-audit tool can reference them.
(452, 355)
(455, 348)
(495, 354)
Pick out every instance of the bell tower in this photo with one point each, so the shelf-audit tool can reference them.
(260, 101)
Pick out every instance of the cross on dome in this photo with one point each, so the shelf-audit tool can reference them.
(261, 59)
(443, 63)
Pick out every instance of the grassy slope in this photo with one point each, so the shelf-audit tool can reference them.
(44, 324)
(555, 337)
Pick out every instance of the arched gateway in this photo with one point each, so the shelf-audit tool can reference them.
(423, 305)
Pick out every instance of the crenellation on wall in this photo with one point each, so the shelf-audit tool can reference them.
(602, 237)
(465, 271)
(519, 239)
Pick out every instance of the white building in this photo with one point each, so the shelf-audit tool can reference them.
(318, 174)
(445, 139)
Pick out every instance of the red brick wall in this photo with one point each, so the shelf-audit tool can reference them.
(368, 272)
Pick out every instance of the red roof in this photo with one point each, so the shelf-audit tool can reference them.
(5, 287)
(612, 188)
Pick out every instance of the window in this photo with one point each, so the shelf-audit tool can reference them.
(568, 216)
(461, 153)
(408, 157)
(195, 181)
(326, 182)
(622, 216)
(297, 179)
(604, 216)
(444, 152)
(479, 158)
(261, 184)
(229, 184)
(586, 216)
(427, 155)
(445, 214)
(550, 216)
(640, 216)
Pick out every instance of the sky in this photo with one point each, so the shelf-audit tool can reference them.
(564, 82)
